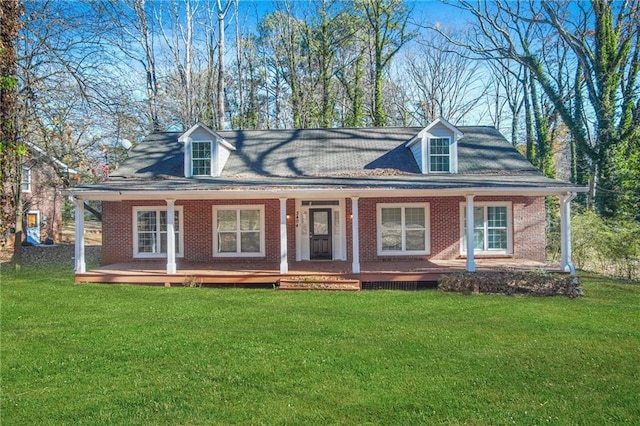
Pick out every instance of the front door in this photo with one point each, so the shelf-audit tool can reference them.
(320, 234)
(33, 227)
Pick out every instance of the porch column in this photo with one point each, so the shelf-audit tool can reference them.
(80, 265)
(355, 224)
(284, 265)
(565, 233)
(471, 263)
(171, 237)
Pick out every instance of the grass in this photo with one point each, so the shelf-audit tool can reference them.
(116, 354)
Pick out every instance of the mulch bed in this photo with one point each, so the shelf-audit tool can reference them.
(511, 283)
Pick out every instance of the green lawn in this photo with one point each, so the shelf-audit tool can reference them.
(107, 354)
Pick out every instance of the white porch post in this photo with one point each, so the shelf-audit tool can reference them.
(471, 263)
(171, 237)
(80, 265)
(284, 265)
(355, 224)
(565, 233)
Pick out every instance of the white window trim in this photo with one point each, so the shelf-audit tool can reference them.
(427, 217)
(179, 248)
(27, 171)
(238, 253)
(484, 204)
(451, 148)
(213, 165)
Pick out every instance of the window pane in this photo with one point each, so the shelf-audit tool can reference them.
(163, 242)
(201, 167)
(414, 218)
(163, 221)
(146, 242)
(415, 240)
(201, 150)
(392, 239)
(497, 238)
(478, 239)
(227, 242)
(439, 146)
(497, 217)
(249, 220)
(146, 221)
(227, 220)
(391, 217)
(250, 242)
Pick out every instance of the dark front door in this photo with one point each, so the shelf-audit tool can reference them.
(320, 234)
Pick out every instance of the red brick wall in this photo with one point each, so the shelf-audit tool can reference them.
(46, 197)
(117, 237)
(528, 221)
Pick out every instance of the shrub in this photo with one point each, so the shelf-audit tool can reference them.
(510, 283)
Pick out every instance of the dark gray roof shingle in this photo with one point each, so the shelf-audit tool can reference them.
(324, 153)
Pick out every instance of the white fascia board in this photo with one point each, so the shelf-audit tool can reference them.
(317, 193)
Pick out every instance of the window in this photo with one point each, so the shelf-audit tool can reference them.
(201, 158)
(439, 155)
(150, 231)
(492, 228)
(25, 184)
(403, 229)
(238, 231)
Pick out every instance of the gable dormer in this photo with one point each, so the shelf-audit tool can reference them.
(205, 152)
(435, 148)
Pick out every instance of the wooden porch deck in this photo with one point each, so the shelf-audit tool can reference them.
(261, 273)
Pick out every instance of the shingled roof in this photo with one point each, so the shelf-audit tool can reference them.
(328, 159)
(324, 153)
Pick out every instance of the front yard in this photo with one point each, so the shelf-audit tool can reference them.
(100, 354)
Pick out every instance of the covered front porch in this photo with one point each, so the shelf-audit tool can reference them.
(257, 274)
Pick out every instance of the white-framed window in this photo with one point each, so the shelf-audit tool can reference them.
(403, 229)
(492, 230)
(25, 183)
(150, 231)
(238, 231)
(201, 158)
(439, 155)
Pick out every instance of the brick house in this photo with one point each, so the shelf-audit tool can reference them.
(42, 180)
(352, 196)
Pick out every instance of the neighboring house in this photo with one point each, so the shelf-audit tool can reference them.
(347, 195)
(42, 199)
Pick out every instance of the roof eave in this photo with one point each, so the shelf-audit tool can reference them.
(272, 193)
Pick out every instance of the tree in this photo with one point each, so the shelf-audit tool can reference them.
(387, 26)
(443, 82)
(12, 149)
(603, 40)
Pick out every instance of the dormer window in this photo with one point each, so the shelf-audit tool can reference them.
(201, 158)
(439, 155)
(205, 152)
(435, 148)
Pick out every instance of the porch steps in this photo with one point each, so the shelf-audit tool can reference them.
(319, 283)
